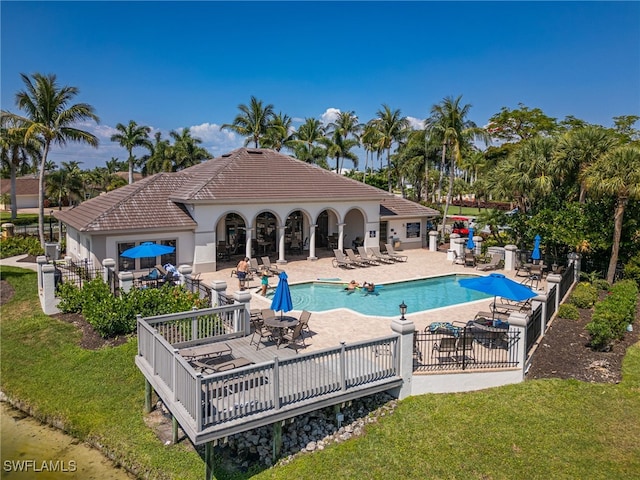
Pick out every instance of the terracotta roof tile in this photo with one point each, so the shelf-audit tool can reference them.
(24, 186)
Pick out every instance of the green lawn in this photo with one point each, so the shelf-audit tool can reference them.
(546, 429)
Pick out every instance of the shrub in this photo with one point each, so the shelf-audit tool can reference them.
(584, 295)
(632, 269)
(70, 298)
(601, 284)
(568, 311)
(612, 315)
(12, 246)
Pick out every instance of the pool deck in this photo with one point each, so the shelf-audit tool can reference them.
(332, 327)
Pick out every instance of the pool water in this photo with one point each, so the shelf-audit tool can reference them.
(418, 295)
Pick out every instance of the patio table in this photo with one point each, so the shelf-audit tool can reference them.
(280, 323)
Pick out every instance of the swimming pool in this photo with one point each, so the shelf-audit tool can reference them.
(418, 295)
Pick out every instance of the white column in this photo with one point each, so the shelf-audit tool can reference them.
(510, 257)
(405, 328)
(281, 258)
(243, 323)
(218, 287)
(518, 322)
(554, 279)
(247, 240)
(126, 281)
(477, 240)
(312, 243)
(48, 297)
(341, 236)
(433, 241)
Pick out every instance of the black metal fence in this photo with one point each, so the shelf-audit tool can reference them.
(195, 285)
(79, 273)
(467, 349)
(534, 328)
(551, 302)
(567, 280)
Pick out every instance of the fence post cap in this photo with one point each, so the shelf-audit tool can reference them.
(108, 262)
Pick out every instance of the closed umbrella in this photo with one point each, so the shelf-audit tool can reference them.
(147, 249)
(535, 255)
(282, 298)
(470, 243)
(498, 285)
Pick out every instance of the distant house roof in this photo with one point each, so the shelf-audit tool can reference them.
(24, 186)
(242, 176)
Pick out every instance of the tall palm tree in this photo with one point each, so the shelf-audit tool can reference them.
(370, 141)
(159, 158)
(278, 132)
(346, 124)
(66, 183)
(449, 124)
(392, 128)
(617, 174)
(186, 150)
(339, 147)
(252, 121)
(306, 141)
(131, 136)
(51, 119)
(15, 152)
(579, 148)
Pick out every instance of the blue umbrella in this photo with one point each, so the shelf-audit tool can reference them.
(498, 285)
(470, 243)
(282, 298)
(147, 249)
(535, 255)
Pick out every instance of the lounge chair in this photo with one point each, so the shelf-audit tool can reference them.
(494, 263)
(340, 260)
(395, 255)
(352, 256)
(469, 259)
(209, 367)
(266, 263)
(381, 257)
(254, 268)
(506, 306)
(364, 256)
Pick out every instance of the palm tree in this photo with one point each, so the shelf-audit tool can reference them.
(132, 136)
(15, 152)
(186, 151)
(159, 158)
(448, 124)
(345, 124)
(579, 148)
(339, 147)
(50, 119)
(305, 142)
(391, 128)
(278, 132)
(616, 173)
(252, 122)
(370, 141)
(66, 183)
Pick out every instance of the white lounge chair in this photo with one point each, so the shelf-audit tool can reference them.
(395, 255)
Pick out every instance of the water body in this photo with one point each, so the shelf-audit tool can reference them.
(32, 450)
(422, 294)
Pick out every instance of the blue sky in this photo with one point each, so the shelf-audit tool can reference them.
(171, 65)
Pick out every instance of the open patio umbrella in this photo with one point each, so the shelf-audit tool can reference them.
(498, 285)
(282, 298)
(470, 243)
(535, 255)
(147, 249)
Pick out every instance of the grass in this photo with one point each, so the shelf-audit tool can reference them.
(538, 429)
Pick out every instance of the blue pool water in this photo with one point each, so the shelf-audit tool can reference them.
(418, 295)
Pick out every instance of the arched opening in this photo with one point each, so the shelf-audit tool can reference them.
(266, 233)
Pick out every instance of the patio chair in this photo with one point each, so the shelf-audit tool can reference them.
(381, 257)
(464, 347)
(266, 262)
(340, 260)
(352, 256)
(469, 259)
(293, 338)
(304, 321)
(446, 347)
(364, 256)
(395, 255)
(494, 263)
(263, 332)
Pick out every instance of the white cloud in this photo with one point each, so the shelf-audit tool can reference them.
(416, 123)
(329, 115)
(215, 140)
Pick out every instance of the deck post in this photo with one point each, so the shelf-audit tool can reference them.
(405, 328)
(518, 321)
(277, 440)
(242, 318)
(148, 391)
(218, 288)
(174, 430)
(208, 460)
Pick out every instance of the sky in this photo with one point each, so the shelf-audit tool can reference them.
(172, 65)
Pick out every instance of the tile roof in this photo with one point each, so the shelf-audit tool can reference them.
(141, 205)
(242, 176)
(24, 186)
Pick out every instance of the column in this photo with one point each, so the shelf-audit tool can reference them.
(510, 254)
(48, 296)
(341, 236)
(405, 328)
(477, 240)
(184, 272)
(312, 243)
(243, 323)
(575, 259)
(248, 240)
(218, 288)
(433, 241)
(281, 253)
(109, 266)
(41, 260)
(518, 322)
(126, 281)
(555, 279)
